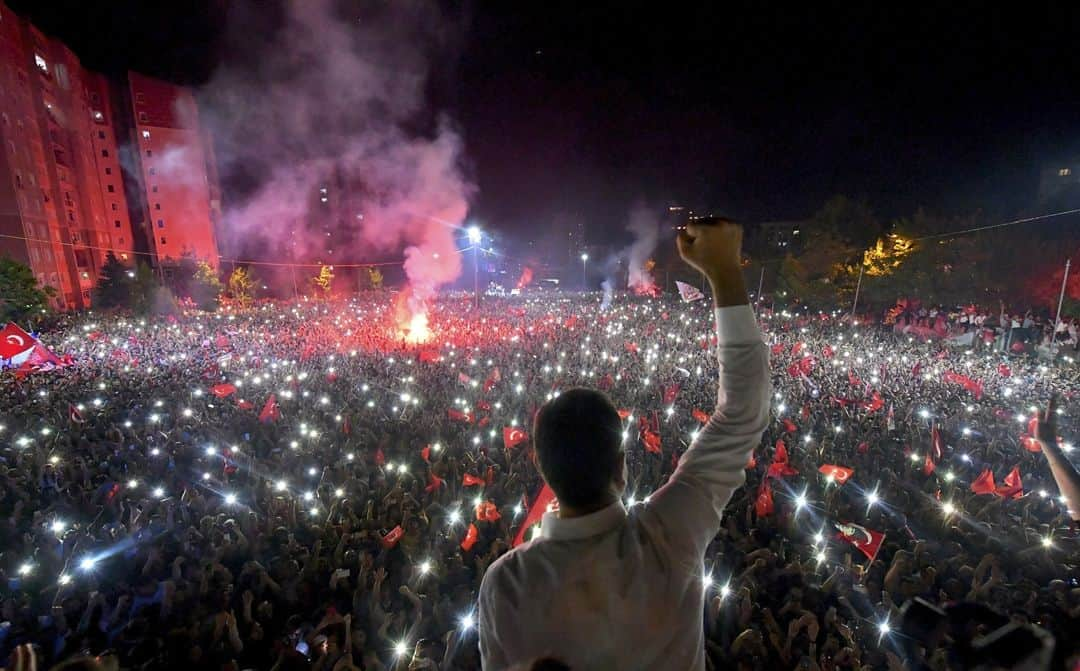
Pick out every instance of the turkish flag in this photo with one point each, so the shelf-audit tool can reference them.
(796, 348)
(763, 503)
(827, 351)
(434, 482)
(865, 540)
(632, 347)
(391, 539)
(670, 392)
(875, 403)
(623, 413)
(484, 421)
(984, 484)
(777, 349)
(651, 440)
(492, 380)
(513, 436)
(544, 500)
(458, 416)
(221, 341)
(471, 536)
(470, 480)
(852, 380)
(840, 474)
(425, 453)
(74, 414)
(487, 512)
(789, 426)
(780, 467)
(1029, 443)
(14, 341)
(270, 411)
(1011, 487)
(245, 405)
(928, 465)
(793, 370)
(223, 390)
(429, 356)
(700, 415)
(464, 379)
(1004, 371)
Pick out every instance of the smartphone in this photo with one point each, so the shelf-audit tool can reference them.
(302, 648)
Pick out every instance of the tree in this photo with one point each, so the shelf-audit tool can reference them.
(144, 289)
(20, 293)
(241, 286)
(852, 221)
(113, 289)
(205, 287)
(325, 279)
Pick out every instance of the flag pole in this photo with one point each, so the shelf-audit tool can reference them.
(858, 285)
(760, 282)
(1057, 319)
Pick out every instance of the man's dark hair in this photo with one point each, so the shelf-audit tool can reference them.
(578, 441)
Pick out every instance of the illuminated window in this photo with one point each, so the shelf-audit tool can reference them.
(98, 116)
(143, 117)
(152, 171)
(149, 152)
(1064, 172)
(161, 223)
(40, 62)
(146, 135)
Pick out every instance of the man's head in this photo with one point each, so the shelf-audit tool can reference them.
(578, 441)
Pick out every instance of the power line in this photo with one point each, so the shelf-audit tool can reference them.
(1006, 223)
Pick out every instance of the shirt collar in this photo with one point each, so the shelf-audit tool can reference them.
(557, 528)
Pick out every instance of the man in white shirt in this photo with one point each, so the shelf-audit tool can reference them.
(607, 588)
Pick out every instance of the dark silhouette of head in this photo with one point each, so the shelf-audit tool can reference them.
(578, 441)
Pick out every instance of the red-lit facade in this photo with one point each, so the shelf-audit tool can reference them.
(65, 198)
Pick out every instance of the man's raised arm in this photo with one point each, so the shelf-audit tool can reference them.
(691, 503)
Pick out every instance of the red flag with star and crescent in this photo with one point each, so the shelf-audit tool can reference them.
(651, 440)
(470, 480)
(866, 541)
(763, 503)
(513, 436)
(544, 500)
(840, 474)
(700, 415)
(471, 536)
(270, 411)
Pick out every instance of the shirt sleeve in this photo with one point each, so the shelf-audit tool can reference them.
(492, 657)
(690, 505)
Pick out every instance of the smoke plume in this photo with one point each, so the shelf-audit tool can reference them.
(645, 227)
(321, 113)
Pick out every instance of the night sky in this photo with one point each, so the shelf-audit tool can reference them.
(579, 112)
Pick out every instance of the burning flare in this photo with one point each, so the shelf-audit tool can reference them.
(418, 332)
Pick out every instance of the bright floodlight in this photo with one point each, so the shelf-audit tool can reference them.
(800, 501)
(467, 621)
(87, 564)
(400, 648)
(425, 567)
(872, 497)
(455, 516)
(1047, 541)
(948, 508)
(725, 591)
(584, 257)
(230, 499)
(884, 628)
(475, 236)
(706, 580)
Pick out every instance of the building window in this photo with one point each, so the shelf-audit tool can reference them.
(18, 180)
(146, 135)
(98, 116)
(116, 223)
(157, 206)
(40, 62)
(105, 153)
(108, 171)
(143, 118)
(71, 216)
(152, 171)
(154, 188)
(161, 223)
(111, 188)
(139, 99)
(115, 207)
(101, 135)
(1064, 172)
(163, 239)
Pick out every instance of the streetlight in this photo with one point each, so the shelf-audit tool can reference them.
(584, 272)
(476, 237)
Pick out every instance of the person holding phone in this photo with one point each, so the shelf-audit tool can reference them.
(604, 587)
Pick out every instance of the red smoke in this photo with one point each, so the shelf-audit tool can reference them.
(526, 278)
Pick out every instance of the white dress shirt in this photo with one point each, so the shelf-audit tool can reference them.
(624, 590)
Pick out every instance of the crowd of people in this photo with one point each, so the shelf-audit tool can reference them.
(306, 486)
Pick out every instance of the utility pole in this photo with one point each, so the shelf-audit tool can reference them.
(760, 283)
(858, 285)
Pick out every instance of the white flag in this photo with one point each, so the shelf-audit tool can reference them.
(689, 294)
